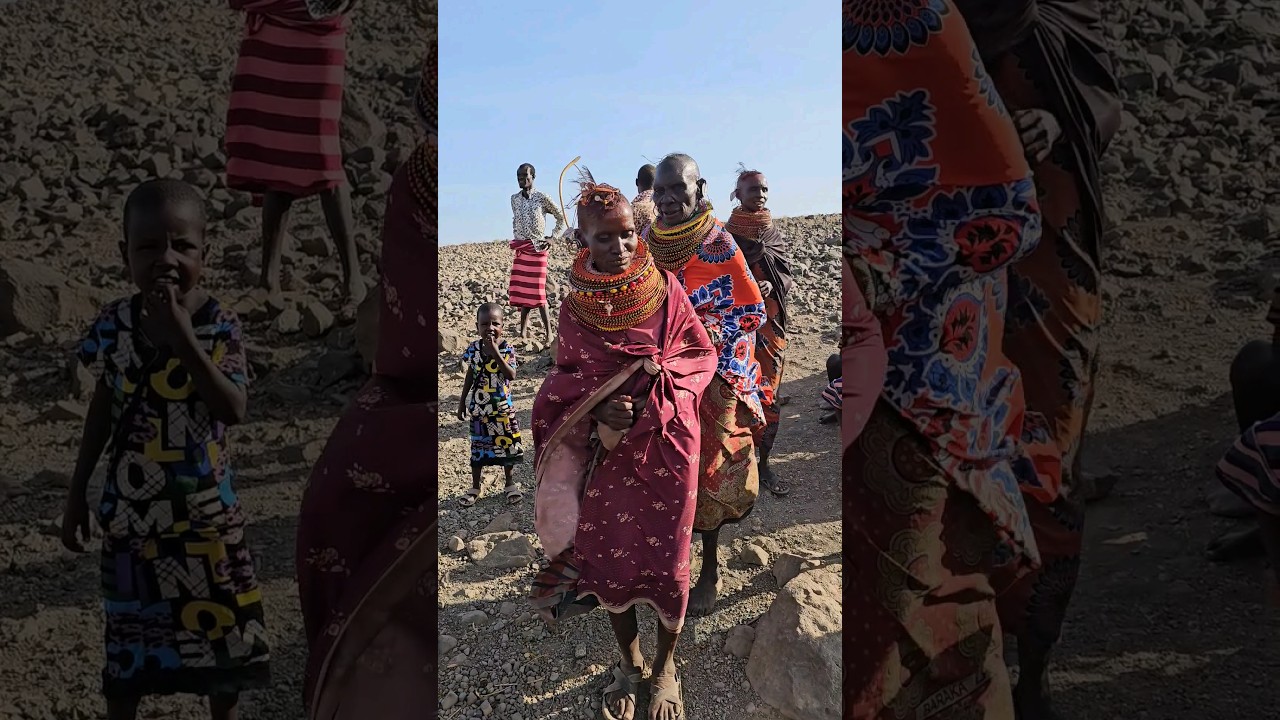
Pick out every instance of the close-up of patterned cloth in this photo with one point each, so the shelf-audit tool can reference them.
(938, 201)
(366, 534)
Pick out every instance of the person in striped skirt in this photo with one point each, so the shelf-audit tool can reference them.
(282, 138)
(528, 287)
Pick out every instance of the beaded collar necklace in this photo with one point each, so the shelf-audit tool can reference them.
(674, 247)
(749, 224)
(615, 302)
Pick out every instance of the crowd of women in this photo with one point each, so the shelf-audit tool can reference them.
(656, 420)
(972, 132)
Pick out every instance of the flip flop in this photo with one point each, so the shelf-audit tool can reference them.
(779, 488)
(514, 493)
(627, 684)
(670, 694)
(470, 498)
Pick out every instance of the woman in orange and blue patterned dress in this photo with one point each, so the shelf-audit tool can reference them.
(687, 240)
(1048, 61)
(938, 202)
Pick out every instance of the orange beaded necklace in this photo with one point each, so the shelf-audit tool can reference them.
(615, 302)
(749, 224)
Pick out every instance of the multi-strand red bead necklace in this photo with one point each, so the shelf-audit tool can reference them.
(615, 302)
(749, 223)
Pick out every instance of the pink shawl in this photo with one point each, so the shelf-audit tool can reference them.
(623, 522)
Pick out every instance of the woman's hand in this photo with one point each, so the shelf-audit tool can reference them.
(1039, 131)
(618, 412)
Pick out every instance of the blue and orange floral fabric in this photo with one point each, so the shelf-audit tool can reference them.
(938, 202)
(729, 304)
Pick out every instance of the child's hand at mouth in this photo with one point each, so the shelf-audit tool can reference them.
(168, 322)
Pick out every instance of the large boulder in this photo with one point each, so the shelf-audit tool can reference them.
(795, 659)
(35, 297)
(449, 342)
(502, 550)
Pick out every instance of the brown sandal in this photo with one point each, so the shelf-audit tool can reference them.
(670, 694)
(627, 684)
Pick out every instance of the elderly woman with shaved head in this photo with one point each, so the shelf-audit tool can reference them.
(687, 239)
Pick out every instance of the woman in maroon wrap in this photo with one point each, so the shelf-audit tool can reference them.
(617, 443)
(366, 548)
(1049, 63)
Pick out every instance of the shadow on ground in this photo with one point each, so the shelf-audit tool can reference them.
(1155, 629)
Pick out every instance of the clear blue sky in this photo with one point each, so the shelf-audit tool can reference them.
(617, 83)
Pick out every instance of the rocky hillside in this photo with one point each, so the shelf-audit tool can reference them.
(475, 273)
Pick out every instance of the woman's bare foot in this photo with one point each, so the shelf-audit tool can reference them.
(357, 290)
(702, 597)
(275, 294)
(354, 292)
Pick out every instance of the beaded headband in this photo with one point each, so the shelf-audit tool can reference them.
(591, 192)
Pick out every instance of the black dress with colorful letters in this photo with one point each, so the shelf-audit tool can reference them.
(182, 602)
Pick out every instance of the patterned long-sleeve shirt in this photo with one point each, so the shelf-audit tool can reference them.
(528, 217)
(644, 210)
